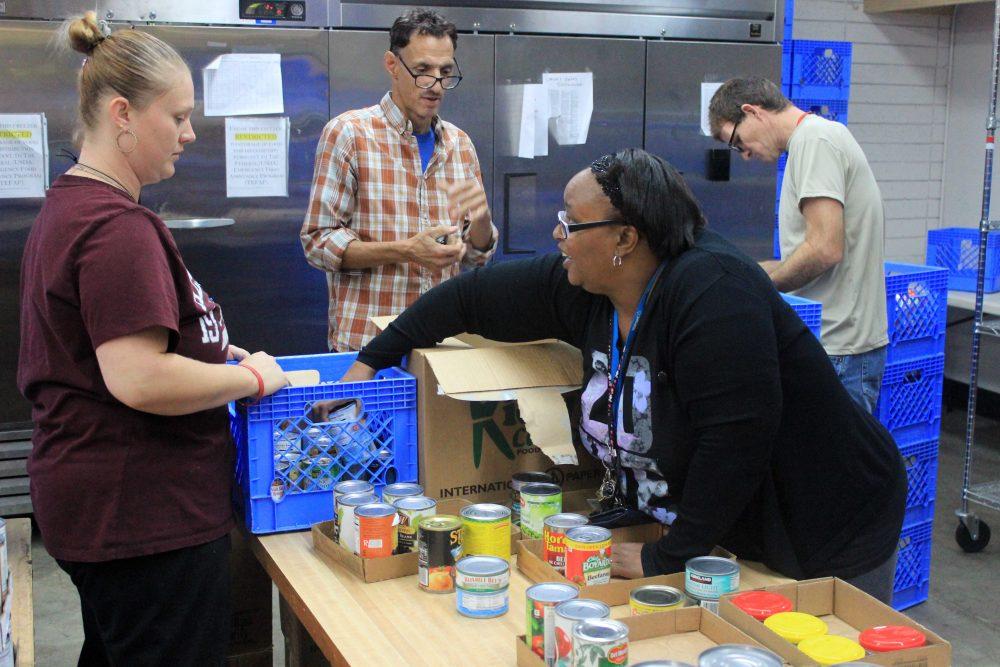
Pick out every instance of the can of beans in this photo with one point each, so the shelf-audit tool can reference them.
(538, 501)
(486, 530)
(375, 524)
(348, 535)
(481, 584)
(517, 481)
(411, 509)
(345, 488)
(650, 599)
(553, 534)
(600, 642)
(540, 631)
(588, 555)
(440, 547)
(393, 492)
(568, 614)
(707, 578)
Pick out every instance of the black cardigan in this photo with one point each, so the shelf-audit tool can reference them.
(736, 427)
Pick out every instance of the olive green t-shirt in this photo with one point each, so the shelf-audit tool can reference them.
(824, 160)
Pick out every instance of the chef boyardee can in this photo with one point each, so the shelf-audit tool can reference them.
(540, 630)
(411, 510)
(706, 578)
(440, 546)
(481, 584)
(553, 534)
(600, 642)
(568, 614)
(348, 534)
(393, 492)
(486, 530)
(538, 501)
(650, 599)
(738, 654)
(588, 555)
(518, 480)
(345, 488)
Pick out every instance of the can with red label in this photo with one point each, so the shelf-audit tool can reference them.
(588, 555)
(600, 642)
(376, 527)
(553, 534)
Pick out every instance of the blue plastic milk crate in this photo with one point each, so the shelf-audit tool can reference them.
(287, 463)
(957, 249)
(921, 461)
(913, 566)
(820, 70)
(829, 109)
(909, 403)
(916, 304)
(810, 312)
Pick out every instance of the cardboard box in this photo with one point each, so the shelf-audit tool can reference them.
(847, 611)
(392, 567)
(678, 634)
(251, 605)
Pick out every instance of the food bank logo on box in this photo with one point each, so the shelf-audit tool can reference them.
(486, 427)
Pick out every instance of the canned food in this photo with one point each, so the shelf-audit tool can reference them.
(662, 663)
(726, 655)
(600, 642)
(486, 530)
(481, 584)
(393, 492)
(411, 510)
(538, 501)
(540, 630)
(794, 626)
(518, 480)
(440, 547)
(831, 649)
(762, 604)
(375, 524)
(347, 535)
(568, 614)
(707, 578)
(345, 488)
(650, 599)
(588, 555)
(553, 534)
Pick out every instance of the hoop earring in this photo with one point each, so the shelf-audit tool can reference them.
(129, 132)
(616, 261)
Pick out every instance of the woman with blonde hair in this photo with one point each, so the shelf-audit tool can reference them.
(123, 358)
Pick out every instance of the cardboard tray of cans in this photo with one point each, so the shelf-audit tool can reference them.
(391, 567)
(677, 634)
(847, 611)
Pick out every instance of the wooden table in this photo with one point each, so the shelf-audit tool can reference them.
(394, 622)
(22, 615)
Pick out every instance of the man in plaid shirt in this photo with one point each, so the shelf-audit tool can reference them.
(397, 202)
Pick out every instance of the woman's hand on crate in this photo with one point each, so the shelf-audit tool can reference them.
(626, 560)
(358, 372)
(274, 378)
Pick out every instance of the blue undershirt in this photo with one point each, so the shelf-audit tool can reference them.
(425, 142)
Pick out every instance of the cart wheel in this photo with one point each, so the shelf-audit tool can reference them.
(965, 540)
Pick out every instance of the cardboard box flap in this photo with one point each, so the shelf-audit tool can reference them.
(506, 367)
(458, 340)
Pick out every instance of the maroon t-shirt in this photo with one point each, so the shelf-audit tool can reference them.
(108, 481)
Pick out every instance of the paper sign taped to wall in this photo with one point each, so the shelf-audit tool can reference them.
(24, 155)
(257, 157)
(707, 92)
(571, 101)
(243, 84)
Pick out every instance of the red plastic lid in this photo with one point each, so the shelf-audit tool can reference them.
(884, 638)
(761, 604)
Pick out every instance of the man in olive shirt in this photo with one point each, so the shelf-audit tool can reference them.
(830, 222)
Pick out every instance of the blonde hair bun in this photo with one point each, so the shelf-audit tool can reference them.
(85, 34)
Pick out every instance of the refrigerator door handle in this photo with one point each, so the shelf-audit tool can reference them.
(505, 231)
(199, 223)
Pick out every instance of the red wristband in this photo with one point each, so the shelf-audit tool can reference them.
(260, 382)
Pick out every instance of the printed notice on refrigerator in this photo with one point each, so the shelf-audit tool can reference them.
(24, 155)
(257, 157)
(707, 92)
(243, 84)
(526, 113)
(571, 98)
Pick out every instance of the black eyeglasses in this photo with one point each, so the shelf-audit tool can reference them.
(734, 143)
(570, 227)
(427, 81)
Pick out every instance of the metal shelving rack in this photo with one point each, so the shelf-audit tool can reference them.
(973, 534)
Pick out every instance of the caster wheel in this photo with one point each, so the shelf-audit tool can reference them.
(965, 540)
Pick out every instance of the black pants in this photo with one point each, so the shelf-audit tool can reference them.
(171, 608)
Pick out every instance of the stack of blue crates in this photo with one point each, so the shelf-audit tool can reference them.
(910, 408)
(809, 311)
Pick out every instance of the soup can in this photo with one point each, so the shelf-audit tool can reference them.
(411, 510)
(481, 586)
(348, 534)
(518, 480)
(540, 629)
(707, 578)
(600, 642)
(650, 599)
(393, 492)
(486, 530)
(345, 488)
(726, 655)
(553, 534)
(568, 614)
(538, 501)
(375, 524)
(588, 555)
(440, 547)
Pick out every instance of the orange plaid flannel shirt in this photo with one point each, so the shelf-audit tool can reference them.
(369, 185)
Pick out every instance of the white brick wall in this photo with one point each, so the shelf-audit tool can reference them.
(898, 107)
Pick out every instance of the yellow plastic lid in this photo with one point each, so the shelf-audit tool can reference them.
(831, 649)
(794, 626)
